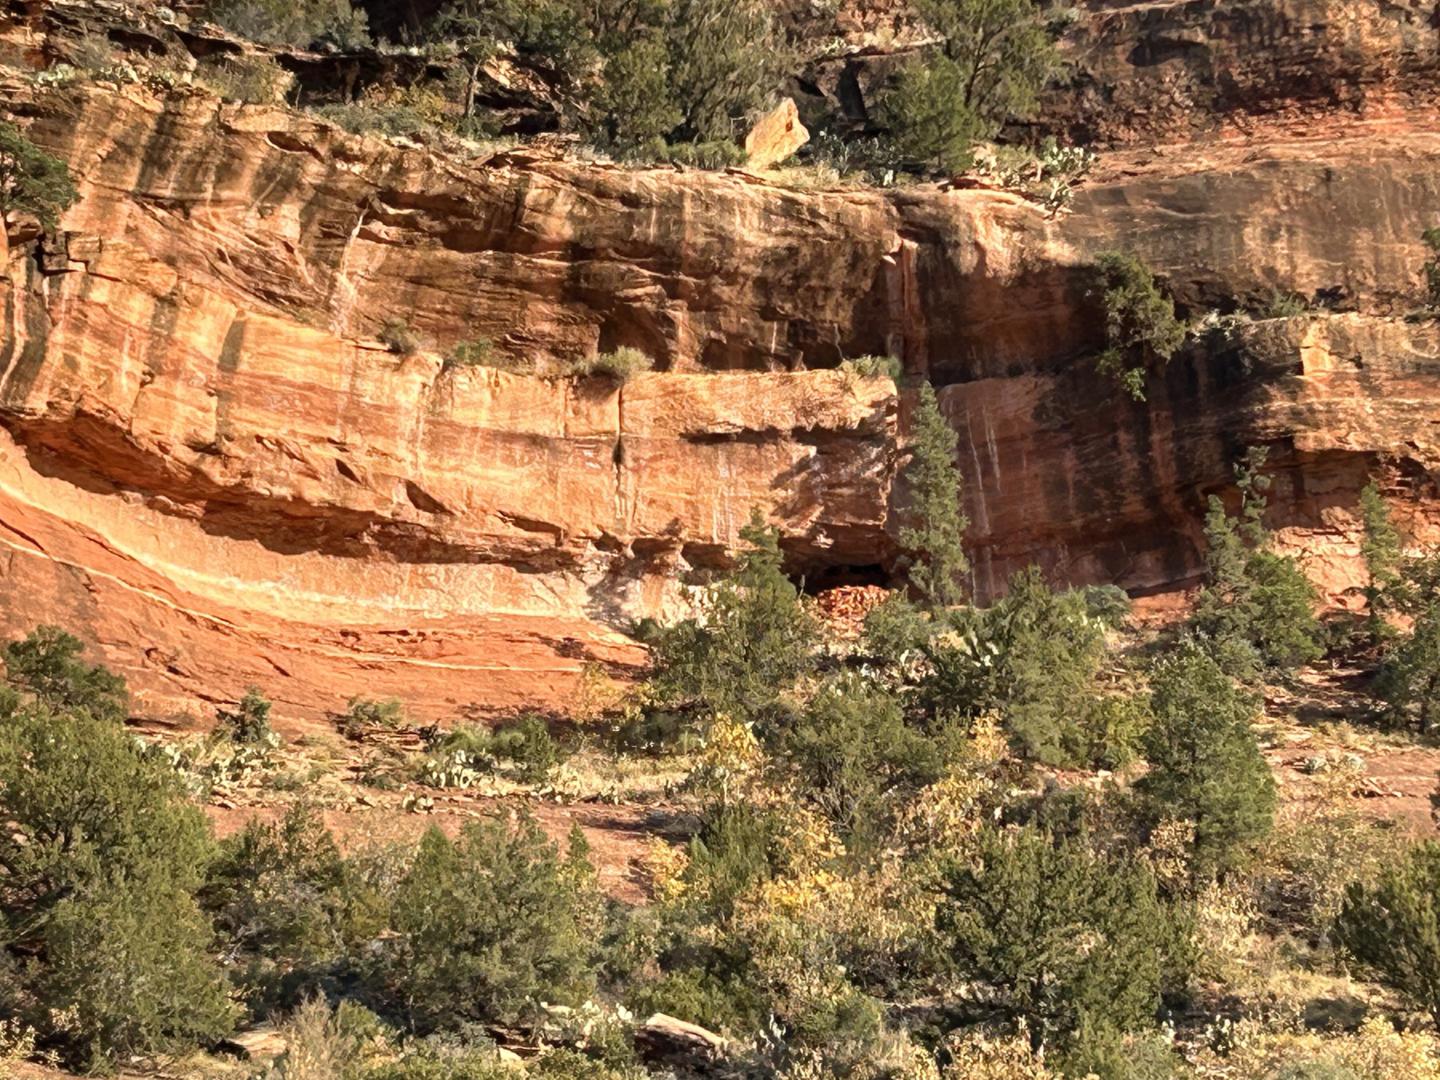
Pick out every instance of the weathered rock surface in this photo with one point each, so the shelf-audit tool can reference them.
(775, 136)
(211, 465)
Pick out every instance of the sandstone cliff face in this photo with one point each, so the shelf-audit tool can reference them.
(211, 462)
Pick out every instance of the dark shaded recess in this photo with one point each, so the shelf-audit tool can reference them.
(1152, 51)
(833, 577)
(633, 327)
(400, 20)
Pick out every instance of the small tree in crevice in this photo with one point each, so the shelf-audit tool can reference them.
(1431, 269)
(32, 181)
(1141, 331)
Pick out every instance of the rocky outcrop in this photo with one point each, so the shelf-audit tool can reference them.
(1164, 73)
(211, 464)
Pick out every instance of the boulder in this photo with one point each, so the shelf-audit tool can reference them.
(775, 136)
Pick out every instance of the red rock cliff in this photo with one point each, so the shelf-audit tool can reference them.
(211, 463)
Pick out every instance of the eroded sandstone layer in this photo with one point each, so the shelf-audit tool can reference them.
(211, 464)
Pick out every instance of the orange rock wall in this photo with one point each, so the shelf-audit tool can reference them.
(211, 465)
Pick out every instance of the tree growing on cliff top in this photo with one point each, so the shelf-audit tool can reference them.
(32, 181)
(992, 60)
(935, 534)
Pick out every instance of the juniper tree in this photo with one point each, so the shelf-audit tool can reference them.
(1409, 677)
(1205, 765)
(754, 640)
(485, 924)
(1257, 609)
(1392, 927)
(1381, 549)
(1141, 330)
(989, 66)
(47, 664)
(100, 856)
(726, 58)
(1055, 934)
(935, 530)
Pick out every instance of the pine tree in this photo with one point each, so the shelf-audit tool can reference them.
(1381, 549)
(1392, 928)
(1409, 678)
(1257, 610)
(1205, 765)
(934, 537)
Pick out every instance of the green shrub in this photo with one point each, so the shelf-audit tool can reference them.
(254, 80)
(32, 181)
(895, 634)
(292, 909)
(1205, 766)
(993, 58)
(618, 365)
(481, 352)
(1034, 658)
(1284, 305)
(1431, 268)
(249, 722)
(1257, 609)
(934, 532)
(371, 714)
(1141, 331)
(46, 663)
(485, 925)
(527, 742)
(428, 1060)
(1409, 677)
(326, 1044)
(873, 367)
(754, 641)
(852, 756)
(1053, 934)
(298, 23)
(710, 154)
(397, 336)
(1392, 927)
(101, 854)
(364, 118)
